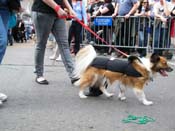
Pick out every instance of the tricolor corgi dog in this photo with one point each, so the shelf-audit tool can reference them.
(134, 72)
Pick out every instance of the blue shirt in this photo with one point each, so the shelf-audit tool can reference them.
(80, 10)
(125, 6)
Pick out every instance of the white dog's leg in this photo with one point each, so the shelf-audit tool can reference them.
(141, 96)
(81, 94)
(121, 94)
(103, 89)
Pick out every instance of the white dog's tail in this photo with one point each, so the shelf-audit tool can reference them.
(84, 58)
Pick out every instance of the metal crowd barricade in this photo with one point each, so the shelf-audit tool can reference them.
(149, 34)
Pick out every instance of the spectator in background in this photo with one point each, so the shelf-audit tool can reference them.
(161, 35)
(173, 10)
(11, 23)
(76, 28)
(173, 24)
(95, 6)
(90, 3)
(56, 55)
(16, 32)
(143, 12)
(91, 12)
(107, 9)
(125, 8)
(172, 13)
(21, 27)
(10, 37)
(28, 29)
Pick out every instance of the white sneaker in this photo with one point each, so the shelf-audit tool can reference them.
(59, 58)
(1, 102)
(53, 57)
(3, 97)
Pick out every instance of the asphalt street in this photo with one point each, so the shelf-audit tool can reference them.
(57, 106)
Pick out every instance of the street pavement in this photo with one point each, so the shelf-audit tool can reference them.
(57, 106)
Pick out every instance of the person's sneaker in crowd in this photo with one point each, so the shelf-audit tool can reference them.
(3, 97)
(59, 58)
(53, 57)
(1, 103)
(41, 80)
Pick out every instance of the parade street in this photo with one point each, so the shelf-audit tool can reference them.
(57, 106)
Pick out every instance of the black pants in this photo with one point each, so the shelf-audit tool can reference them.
(75, 30)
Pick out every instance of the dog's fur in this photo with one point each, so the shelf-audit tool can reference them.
(90, 75)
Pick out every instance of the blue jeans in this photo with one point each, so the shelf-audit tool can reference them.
(4, 16)
(143, 38)
(44, 24)
(161, 39)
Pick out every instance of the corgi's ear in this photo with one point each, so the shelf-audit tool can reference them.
(155, 58)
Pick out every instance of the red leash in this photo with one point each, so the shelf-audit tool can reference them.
(96, 35)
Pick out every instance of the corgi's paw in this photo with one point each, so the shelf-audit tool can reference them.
(147, 103)
(110, 95)
(122, 98)
(81, 95)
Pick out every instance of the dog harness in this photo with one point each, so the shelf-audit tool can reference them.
(115, 65)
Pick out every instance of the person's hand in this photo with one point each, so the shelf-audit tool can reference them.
(114, 15)
(101, 7)
(147, 14)
(95, 13)
(173, 11)
(62, 13)
(93, 16)
(66, 10)
(127, 16)
(163, 19)
(72, 13)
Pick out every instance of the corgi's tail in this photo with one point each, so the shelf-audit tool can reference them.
(84, 58)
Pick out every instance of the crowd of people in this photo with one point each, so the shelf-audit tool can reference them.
(123, 12)
(21, 32)
(123, 9)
